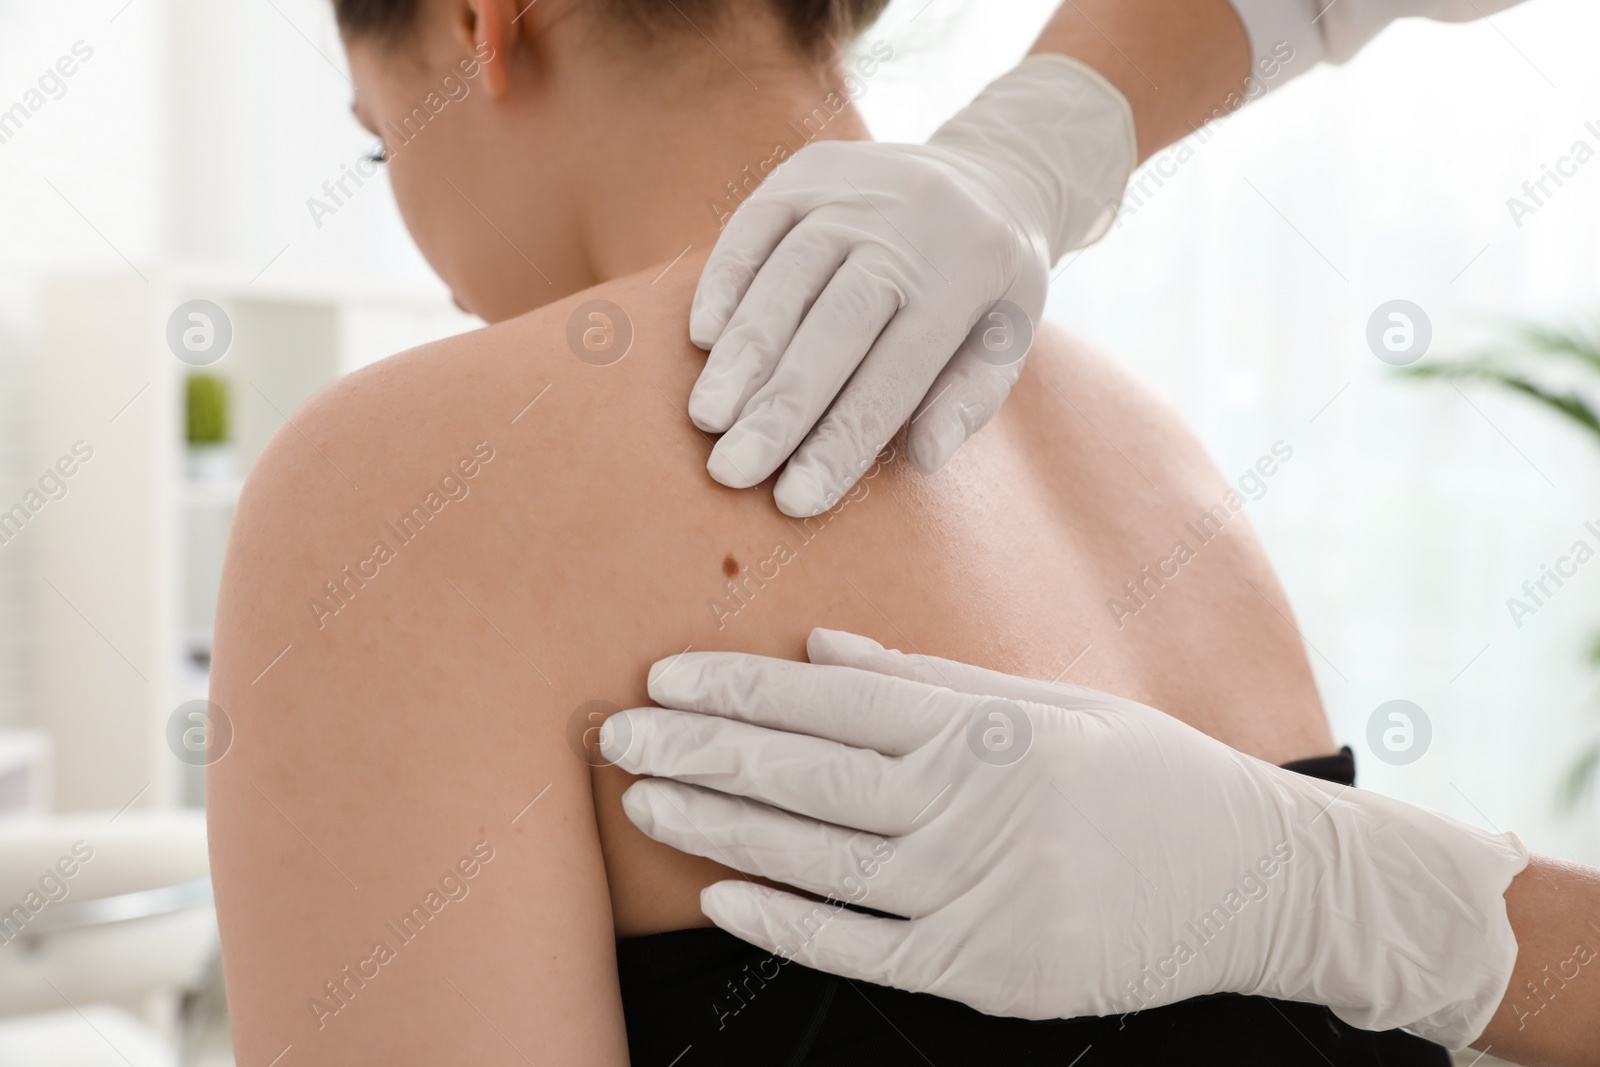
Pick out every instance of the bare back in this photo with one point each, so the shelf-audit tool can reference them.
(447, 639)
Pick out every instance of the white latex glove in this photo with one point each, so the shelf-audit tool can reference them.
(1059, 852)
(870, 276)
(1314, 30)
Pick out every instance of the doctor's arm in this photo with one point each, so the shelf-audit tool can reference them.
(1059, 852)
(1551, 1010)
(843, 294)
(866, 285)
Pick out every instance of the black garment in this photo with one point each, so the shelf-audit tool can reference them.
(678, 992)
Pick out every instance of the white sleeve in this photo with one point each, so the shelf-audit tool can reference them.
(1289, 37)
(1285, 38)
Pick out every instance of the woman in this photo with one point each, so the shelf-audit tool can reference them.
(446, 566)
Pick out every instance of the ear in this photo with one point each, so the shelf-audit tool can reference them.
(494, 29)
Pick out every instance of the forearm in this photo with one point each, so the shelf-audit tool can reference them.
(1551, 1010)
(1179, 62)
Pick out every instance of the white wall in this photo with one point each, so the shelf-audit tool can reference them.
(189, 133)
(196, 132)
(89, 140)
(13, 557)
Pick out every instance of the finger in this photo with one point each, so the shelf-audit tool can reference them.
(853, 707)
(749, 238)
(878, 400)
(979, 377)
(819, 935)
(839, 649)
(965, 396)
(837, 332)
(768, 315)
(831, 861)
(809, 776)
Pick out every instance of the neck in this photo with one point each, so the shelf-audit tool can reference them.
(674, 165)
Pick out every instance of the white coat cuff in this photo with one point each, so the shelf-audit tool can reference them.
(1285, 42)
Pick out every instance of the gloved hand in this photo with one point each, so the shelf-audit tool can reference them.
(910, 272)
(1059, 852)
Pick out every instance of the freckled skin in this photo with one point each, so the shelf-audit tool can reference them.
(434, 707)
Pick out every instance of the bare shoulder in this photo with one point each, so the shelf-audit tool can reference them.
(1097, 403)
(535, 401)
(392, 653)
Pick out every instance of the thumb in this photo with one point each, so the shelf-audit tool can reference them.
(819, 934)
(978, 378)
(839, 649)
(960, 402)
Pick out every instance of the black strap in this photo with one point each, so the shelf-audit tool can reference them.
(1340, 768)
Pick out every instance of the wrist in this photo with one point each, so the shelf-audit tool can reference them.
(1403, 922)
(1053, 142)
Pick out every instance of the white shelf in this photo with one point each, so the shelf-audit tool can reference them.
(210, 494)
(133, 555)
(24, 773)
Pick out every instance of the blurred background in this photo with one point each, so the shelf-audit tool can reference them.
(163, 167)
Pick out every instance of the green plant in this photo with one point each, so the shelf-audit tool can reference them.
(206, 401)
(1560, 370)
